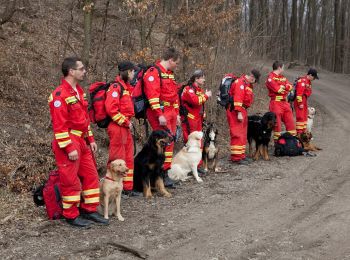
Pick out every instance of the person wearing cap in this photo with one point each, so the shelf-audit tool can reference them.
(279, 88)
(242, 93)
(161, 90)
(120, 109)
(303, 92)
(73, 147)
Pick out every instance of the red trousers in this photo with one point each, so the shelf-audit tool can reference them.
(79, 179)
(238, 133)
(195, 124)
(121, 146)
(284, 114)
(170, 114)
(301, 116)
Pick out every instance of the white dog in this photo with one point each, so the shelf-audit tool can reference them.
(187, 159)
(310, 118)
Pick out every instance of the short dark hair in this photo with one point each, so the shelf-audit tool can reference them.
(124, 75)
(256, 75)
(171, 53)
(68, 64)
(276, 65)
(196, 74)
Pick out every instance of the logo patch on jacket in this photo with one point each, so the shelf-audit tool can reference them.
(115, 94)
(150, 78)
(57, 103)
(242, 87)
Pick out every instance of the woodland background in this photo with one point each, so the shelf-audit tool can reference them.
(218, 36)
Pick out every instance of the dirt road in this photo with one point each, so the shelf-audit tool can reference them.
(288, 208)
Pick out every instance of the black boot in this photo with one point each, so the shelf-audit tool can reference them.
(95, 217)
(201, 172)
(79, 222)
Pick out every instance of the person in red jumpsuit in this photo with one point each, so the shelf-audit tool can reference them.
(242, 92)
(278, 87)
(192, 100)
(120, 109)
(303, 92)
(161, 91)
(73, 146)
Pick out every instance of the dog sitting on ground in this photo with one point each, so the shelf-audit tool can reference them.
(111, 187)
(306, 138)
(187, 159)
(310, 118)
(148, 164)
(259, 131)
(210, 150)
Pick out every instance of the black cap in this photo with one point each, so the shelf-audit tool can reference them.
(313, 72)
(126, 65)
(256, 75)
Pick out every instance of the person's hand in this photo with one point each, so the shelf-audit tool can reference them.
(282, 89)
(208, 93)
(93, 147)
(73, 155)
(240, 116)
(162, 120)
(130, 125)
(301, 106)
(178, 120)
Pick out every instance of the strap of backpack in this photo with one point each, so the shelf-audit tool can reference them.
(115, 83)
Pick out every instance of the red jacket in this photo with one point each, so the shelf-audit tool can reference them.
(242, 92)
(160, 90)
(303, 89)
(274, 83)
(193, 99)
(119, 106)
(69, 115)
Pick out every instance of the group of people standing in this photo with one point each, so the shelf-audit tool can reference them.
(74, 145)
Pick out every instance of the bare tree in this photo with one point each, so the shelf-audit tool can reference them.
(88, 11)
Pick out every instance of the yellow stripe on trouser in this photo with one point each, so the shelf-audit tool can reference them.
(90, 192)
(91, 200)
(276, 135)
(129, 175)
(292, 132)
(238, 149)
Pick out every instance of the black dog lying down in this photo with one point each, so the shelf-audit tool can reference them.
(148, 164)
(259, 130)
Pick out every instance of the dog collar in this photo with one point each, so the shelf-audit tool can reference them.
(108, 178)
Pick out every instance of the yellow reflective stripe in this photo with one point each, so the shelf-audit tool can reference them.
(168, 160)
(76, 132)
(131, 171)
(237, 152)
(66, 205)
(50, 98)
(84, 96)
(164, 75)
(292, 132)
(128, 178)
(299, 98)
(92, 200)
(125, 92)
(71, 198)
(237, 146)
(166, 104)
(200, 100)
(168, 153)
(189, 115)
(176, 105)
(250, 89)
(152, 100)
(61, 135)
(71, 99)
(171, 76)
(90, 133)
(238, 104)
(155, 106)
(64, 143)
(91, 191)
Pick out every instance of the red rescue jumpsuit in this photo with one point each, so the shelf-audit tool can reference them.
(303, 92)
(161, 92)
(242, 93)
(193, 99)
(279, 104)
(120, 108)
(71, 127)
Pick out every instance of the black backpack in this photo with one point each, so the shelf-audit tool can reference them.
(293, 93)
(288, 145)
(223, 98)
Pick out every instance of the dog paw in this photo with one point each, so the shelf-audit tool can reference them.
(199, 180)
(120, 218)
(167, 195)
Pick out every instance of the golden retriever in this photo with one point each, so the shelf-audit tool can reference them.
(187, 159)
(111, 188)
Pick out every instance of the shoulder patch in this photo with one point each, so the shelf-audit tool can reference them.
(303, 84)
(150, 78)
(241, 87)
(269, 80)
(57, 103)
(115, 94)
(191, 91)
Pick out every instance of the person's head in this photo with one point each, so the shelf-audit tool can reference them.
(170, 58)
(197, 77)
(126, 70)
(312, 74)
(73, 67)
(254, 76)
(278, 67)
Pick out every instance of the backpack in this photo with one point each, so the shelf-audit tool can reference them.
(49, 195)
(138, 95)
(288, 145)
(182, 109)
(293, 93)
(224, 99)
(97, 110)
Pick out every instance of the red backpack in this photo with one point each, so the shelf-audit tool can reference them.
(52, 196)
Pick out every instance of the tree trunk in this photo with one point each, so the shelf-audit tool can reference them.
(294, 31)
(336, 64)
(88, 11)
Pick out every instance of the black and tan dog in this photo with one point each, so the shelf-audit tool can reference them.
(148, 164)
(210, 148)
(259, 131)
(306, 138)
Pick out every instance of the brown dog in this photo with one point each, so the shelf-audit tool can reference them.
(305, 138)
(111, 188)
